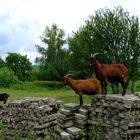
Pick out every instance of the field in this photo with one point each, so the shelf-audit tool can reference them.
(65, 94)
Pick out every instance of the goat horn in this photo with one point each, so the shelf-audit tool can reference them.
(93, 55)
(68, 75)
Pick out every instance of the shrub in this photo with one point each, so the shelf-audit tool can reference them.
(51, 84)
(34, 75)
(7, 78)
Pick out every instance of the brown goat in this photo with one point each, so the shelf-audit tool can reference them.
(110, 73)
(4, 97)
(87, 86)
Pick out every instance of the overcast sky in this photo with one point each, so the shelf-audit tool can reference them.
(23, 21)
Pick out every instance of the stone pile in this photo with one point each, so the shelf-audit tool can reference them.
(72, 122)
(30, 116)
(116, 117)
(110, 117)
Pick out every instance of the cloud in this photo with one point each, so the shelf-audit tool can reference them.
(23, 21)
(4, 38)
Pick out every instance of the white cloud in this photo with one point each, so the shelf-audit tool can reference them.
(23, 21)
(32, 55)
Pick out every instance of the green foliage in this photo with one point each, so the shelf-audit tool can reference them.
(20, 65)
(53, 65)
(2, 63)
(46, 84)
(95, 134)
(35, 73)
(16, 134)
(113, 34)
(80, 52)
(7, 78)
(2, 131)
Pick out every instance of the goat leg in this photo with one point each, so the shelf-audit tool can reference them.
(5, 101)
(104, 88)
(124, 88)
(81, 99)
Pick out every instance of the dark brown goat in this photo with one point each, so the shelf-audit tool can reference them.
(110, 73)
(4, 97)
(87, 86)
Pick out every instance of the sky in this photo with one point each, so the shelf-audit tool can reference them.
(22, 22)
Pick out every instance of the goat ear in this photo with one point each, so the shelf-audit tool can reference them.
(91, 55)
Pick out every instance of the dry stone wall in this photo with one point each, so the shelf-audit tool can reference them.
(30, 116)
(116, 117)
(72, 122)
(111, 117)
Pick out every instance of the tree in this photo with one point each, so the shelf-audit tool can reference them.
(113, 34)
(2, 63)
(7, 77)
(20, 65)
(79, 53)
(53, 57)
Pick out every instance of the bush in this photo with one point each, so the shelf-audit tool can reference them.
(50, 84)
(34, 75)
(7, 78)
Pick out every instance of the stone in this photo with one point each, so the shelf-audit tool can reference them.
(83, 111)
(80, 116)
(66, 112)
(73, 130)
(29, 116)
(55, 136)
(65, 124)
(64, 117)
(72, 106)
(65, 136)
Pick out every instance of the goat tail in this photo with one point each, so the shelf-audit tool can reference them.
(125, 79)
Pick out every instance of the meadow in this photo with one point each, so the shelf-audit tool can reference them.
(63, 93)
(29, 89)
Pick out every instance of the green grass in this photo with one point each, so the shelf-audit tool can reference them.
(65, 94)
(29, 89)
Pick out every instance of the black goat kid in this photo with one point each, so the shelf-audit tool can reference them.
(4, 97)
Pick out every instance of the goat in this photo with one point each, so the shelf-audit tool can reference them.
(87, 86)
(110, 73)
(4, 97)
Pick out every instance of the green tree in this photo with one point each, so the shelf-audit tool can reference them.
(2, 63)
(7, 77)
(20, 65)
(79, 53)
(113, 34)
(53, 55)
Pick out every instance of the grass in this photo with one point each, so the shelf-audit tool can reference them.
(65, 94)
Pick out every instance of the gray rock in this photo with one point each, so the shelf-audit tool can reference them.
(72, 106)
(65, 136)
(74, 130)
